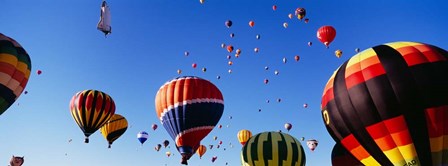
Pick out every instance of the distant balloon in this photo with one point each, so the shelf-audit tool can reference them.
(357, 50)
(305, 105)
(326, 34)
(276, 72)
(238, 51)
(218, 77)
(168, 154)
(266, 81)
(210, 146)
(230, 71)
(232, 35)
(296, 58)
(186, 53)
(26, 92)
(215, 138)
(288, 126)
(220, 142)
(284, 60)
(257, 37)
(194, 65)
(251, 23)
(142, 136)
(223, 45)
(154, 127)
(114, 128)
(290, 16)
(229, 48)
(157, 147)
(266, 68)
(201, 150)
(105, 19)
(39, 72)
(300, 13)
(243, 136)
(230, 63)
(201, 1)
(307, 20)
(338, 53)
(256, 49)
(228, 23)
(179, 71)
(204, 69)
(166, 143)
(310, 44)
(214, 159)
(312, 144)
(285, 25)
(302, 138)
(274, 7)
(220, 126)
(229, 57)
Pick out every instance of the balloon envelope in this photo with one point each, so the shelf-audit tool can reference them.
(114, 128)
(15, 71)
(142, 136)
(387, 105)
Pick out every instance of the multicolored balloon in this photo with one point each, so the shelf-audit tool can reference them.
(189, 108)
(91, 109)
(243, 136)
(15, 71)
(288, 126)
(201, 150)
(273, 149)
(114, 128)
(387, 105)
(312, 144)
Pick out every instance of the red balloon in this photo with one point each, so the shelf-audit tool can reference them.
(326, 34)
(274, 7)
(39, 72)
(194, 65)
(251, 23)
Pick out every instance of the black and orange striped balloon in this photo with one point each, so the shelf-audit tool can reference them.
(91, 109)
(15, 69)
(388, 105)
(341, 157)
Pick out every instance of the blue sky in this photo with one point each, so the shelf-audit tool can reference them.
(146, 48)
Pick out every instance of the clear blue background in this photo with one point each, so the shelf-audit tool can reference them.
(146, 48)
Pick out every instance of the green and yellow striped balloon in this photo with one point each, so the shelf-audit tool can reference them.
(273, 149)
(114, 128)
(15, 68)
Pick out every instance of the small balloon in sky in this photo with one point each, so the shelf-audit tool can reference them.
(284, 60)
(357, 50)
(290, 16)
(251, 24)
(266, 68)
(186, 53)
(276, 72)
(223, 45)
(307, 20)
(257, 37)
(229, 57)
(256, 49)
(266, 81)
(274, 7)
(194, 65)
(218, 77)
(230, 71)
(305, 105)
(230, 63)
(310, 44)
(285, 25)
(179, 71)
(232, 35)
(39, 72)
(297, 58)
(201, 1)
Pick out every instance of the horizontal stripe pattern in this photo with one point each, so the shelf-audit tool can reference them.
(15, 69)
(392, 105)
(189, 107)
(114, 128)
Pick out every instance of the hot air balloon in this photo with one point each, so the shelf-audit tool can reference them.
(215, 138)
(326, 34)
(307, 20)
(214, 159)
(223, 45)
(232, 35)
(338, 53)
(157, 147)
(218, 77)
(357, 50)
(302, 138)
(230, 71)
(15, 71)
(284, 60)
(104, 23)
(210, 146)
(114, 128)
(285, 25)
(251, 23)
(186, 53)
(266, 68)
(312, 144)
(220, 126)
(204, 69)
(230, 63)
(166, 143)
(305, 105)
(244, 135)
(228, 23)
(16, 160)
(142, 136)
(154, 126)
(273, 149)
(341, 157)
(201, 150)
(257, 37)
(168, 154)
(194, 65)
(256, 49)
(300, 13)
(201, 1)
(397, 94)
(266, 81)
(274, 7)
(290, 16)
(238, 51)
(297, 58)
(310, 44)
(39, 72)
(189, 122)
(91, 109)
(229, 48)
(179, 71)
(288, 126)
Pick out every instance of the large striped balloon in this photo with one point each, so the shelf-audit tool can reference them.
(91, 109)
(189, 108)
(114, 128)
(273, 149)
(388, 105)
(341, 157)
(15, 69)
